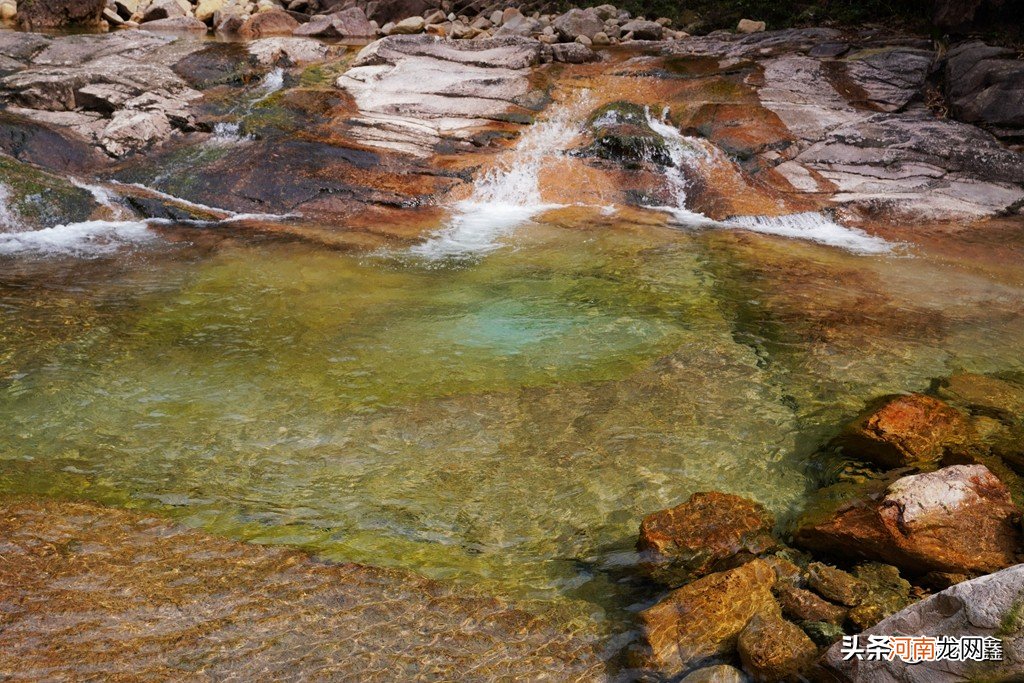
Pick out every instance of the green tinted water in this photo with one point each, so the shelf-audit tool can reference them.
(505, 423)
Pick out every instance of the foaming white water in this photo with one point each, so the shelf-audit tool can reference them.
(85, 239)
(684, 152)
(810, 226)
(508, 195)
(815, 227)
(106, 198)
(230, 132)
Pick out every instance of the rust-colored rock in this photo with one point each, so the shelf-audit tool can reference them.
(272, 23)
(773, 649)
(803, 605)
(912, 430)
(702, 535)
(704, 618)
(959, 519)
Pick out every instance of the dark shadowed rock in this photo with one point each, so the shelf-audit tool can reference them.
(985, 85)
(992, 606)
(395, 10)
(911, 430)
(695, 538)
(959, 519)
(773, 649)
(38, 14)
(704, 618)
(954, 14)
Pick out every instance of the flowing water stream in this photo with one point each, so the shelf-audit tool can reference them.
(502, 420)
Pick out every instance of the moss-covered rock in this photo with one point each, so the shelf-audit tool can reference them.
(36, 199)
(621, 133)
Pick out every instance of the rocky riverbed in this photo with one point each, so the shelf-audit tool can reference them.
(471, 293)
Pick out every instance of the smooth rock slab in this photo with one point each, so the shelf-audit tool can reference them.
(88, 592)
(991, 605)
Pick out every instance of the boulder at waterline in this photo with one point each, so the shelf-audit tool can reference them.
(991, 606)
(985, 85)
(346, 23)
(958, 519)
(913, 430)
(37, 14)
(773, 649)
(701, 535)
(271, 23)
(576, 23)
(704, 618)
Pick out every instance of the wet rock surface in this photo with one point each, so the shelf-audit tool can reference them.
(89, 591)
(708, 530)
(705, 618)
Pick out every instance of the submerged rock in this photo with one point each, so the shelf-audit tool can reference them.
(701, 535)
(959, 519)
(89, 589)
(704, 618)
(835, 584)
(773, 649)
(990, 606)
(912, 430)
(803, 605)
(721, 673)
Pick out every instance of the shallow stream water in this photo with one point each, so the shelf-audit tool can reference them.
(502, 421)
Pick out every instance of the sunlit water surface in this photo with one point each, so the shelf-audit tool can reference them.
(503, 421)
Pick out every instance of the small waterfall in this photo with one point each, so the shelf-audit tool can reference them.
(811, 226)
(230, 132)
(815, 227)
(508, 195)
(684, 152)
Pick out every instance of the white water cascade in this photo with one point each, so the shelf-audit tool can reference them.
(227, 132)
(508, 195)
(812, 226)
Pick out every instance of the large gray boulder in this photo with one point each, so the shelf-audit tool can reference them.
(985, 86)
(991, 605)
(576, 23)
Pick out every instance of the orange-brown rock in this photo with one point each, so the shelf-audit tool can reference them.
(912, 430)
(704, 618)
(959, 519)
(703, 534)
(773, 649)
(272, 23)
(803, 605)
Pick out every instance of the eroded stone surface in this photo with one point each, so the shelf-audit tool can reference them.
(87, 591)
(414, 90)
